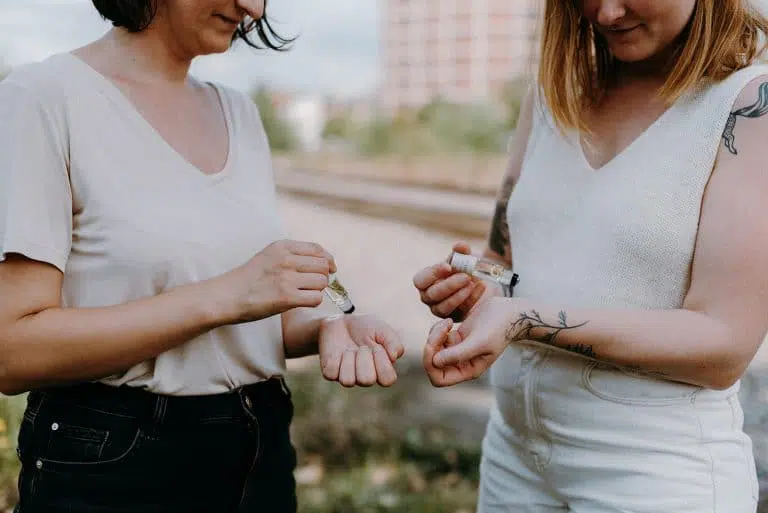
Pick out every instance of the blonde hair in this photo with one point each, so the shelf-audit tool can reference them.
(723, 36)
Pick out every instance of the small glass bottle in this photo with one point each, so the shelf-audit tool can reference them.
(485, 269)
(339, 294)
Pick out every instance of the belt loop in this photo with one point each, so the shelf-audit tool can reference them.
(284, 386)
(158, 416)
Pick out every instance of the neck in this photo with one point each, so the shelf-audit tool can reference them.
(150, 55)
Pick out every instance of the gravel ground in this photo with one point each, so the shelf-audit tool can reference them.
(377, 259)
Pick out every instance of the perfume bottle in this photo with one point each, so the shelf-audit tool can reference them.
(339, 295)
(485, 269)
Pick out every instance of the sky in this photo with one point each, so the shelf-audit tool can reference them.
(336, 53)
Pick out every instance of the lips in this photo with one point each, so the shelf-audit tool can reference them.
(619, 30)
(231, 21)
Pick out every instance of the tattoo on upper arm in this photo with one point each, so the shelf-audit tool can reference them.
(531, 326)
(757, 109)
(498, 240)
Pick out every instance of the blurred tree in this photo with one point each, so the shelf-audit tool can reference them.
(511, 99)
(337, 127)
(281, 137)
(377, 138)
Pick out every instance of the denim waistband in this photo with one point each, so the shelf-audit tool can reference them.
(141, 404)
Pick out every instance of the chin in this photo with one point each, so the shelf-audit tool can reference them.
(213, 48)
(216, 42)
(631, 54)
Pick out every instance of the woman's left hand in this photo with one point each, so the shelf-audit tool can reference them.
(454, 356)
(359, 350)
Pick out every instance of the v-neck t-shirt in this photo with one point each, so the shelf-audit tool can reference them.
(89, 186)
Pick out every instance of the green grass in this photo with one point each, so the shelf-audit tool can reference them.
(358, 454)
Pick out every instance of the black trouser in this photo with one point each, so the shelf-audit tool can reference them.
(98, 449)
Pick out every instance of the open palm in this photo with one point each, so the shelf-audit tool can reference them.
(359, 350)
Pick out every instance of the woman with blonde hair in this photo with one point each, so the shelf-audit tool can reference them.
(634, 213)
(149, 299)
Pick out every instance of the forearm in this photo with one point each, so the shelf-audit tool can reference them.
(59, 345)
(679, 345)
(301, 331)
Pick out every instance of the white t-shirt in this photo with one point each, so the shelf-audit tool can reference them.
(88, 185)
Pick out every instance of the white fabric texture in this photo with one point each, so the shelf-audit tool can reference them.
(569, 434)
(88, 185)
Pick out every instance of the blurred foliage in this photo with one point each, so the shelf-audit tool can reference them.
(359, 452)
(11, 414)
(437, 128)
(281, 137)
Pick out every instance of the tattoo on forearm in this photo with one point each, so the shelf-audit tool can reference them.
(498, 240)
(757, 109)
(531, 326)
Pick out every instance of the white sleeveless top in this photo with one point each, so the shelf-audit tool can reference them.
(623, 235)
(87, 185)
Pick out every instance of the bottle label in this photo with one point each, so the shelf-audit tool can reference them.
(463, 263)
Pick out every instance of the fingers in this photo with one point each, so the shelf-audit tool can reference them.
(441, 336)
(385, 371)
(448, 306)
(330, 364)
(461, 351)
(310, 265)
(426, 277)
(307, 298)
(445, 288)
(365, 369)
(310, 281)
(436, 339)
(348, 367)
(390, 341)
(477, 293)
(462, 247)
(311, 249)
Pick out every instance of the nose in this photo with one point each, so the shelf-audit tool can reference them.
(253, 8)
(610, 12)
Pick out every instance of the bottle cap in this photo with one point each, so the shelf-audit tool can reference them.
(463, 263)
(346, 306)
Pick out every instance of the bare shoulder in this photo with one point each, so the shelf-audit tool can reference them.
(748, 120)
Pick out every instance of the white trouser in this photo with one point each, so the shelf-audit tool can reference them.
(569, 434)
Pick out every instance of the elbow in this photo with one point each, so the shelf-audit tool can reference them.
(13, 379)
(726, 365)
(722, 380)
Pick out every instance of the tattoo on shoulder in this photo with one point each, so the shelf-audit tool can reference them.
(756, 110)
(498, 240)
(531, 326)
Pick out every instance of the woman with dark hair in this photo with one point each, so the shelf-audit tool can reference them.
(148, 298)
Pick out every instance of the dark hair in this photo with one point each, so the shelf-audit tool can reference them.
(136, 15)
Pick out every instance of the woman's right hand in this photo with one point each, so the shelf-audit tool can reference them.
(286, 274)
(450, 294)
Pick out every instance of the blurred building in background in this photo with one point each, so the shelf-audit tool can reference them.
(459, 51)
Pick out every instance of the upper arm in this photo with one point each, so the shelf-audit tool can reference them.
(35, 193)
(498, 239)
(35, 200)
(729, 280)
(27, 287)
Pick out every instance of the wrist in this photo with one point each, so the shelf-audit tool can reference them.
(218, 305)
(518, 321)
